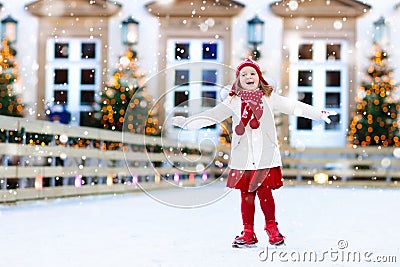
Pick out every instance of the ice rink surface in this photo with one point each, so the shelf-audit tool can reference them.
(324, 226)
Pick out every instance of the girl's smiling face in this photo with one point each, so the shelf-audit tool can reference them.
(248, 78)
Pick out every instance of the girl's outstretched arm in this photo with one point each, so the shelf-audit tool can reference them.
(206, 118)
(300, 109)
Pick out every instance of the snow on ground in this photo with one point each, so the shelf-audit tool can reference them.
(135, 230)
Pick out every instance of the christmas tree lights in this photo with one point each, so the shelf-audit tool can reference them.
(10, 104)
(124, 104)
(376, 121)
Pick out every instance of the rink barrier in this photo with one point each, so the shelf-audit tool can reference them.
(342, 164)
(52, 169)
(34, 171)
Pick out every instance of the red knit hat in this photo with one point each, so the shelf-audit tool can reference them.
(251, 63)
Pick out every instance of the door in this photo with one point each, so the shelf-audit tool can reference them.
(193, 82)
(73, 76)
(319, 77)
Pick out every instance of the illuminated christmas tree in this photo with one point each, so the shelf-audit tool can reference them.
(124, 103)
(10, 104)
(376, 121)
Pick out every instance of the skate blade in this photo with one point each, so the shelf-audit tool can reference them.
(244, 245)
(280, 243)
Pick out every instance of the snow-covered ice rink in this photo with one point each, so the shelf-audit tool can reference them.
(331, 224)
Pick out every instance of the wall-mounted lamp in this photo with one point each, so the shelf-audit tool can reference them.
(255, 35)
(130, 31)
(381, 32)
(130, 37)
(9, 29)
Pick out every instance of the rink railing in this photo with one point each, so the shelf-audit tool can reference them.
(40, 159)
(342, 164)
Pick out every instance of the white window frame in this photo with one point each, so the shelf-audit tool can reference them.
(195, 87)
(318, 136)
(74, 63)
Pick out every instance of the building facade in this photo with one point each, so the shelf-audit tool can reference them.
(312, 50)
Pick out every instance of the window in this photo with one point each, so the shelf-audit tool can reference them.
(86, 118)
(61, 50)
(333, 78)
(73, 70)
(306, 51)
(208, 98)
(88, 50)
(305, 78)
(209, 77)
(303, 123)
(61, 96)
(332, 100)
(87, 76)
(333, 51)
(181, 51)
(60, 76)
(181, 77)
(305, 97)
(209, 51)
(181, 98)
(87, 97)
(335, 123)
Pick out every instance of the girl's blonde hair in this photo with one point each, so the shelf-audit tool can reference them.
(266, 88)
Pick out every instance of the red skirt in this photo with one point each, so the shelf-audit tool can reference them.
(252, 179)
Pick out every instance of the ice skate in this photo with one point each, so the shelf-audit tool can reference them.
(275, 237)
(247, 239)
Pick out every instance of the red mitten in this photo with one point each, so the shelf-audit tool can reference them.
(244, 120)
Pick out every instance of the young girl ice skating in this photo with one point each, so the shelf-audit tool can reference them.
(255, 165)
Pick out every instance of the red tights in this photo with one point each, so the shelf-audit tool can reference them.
(267, 204)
